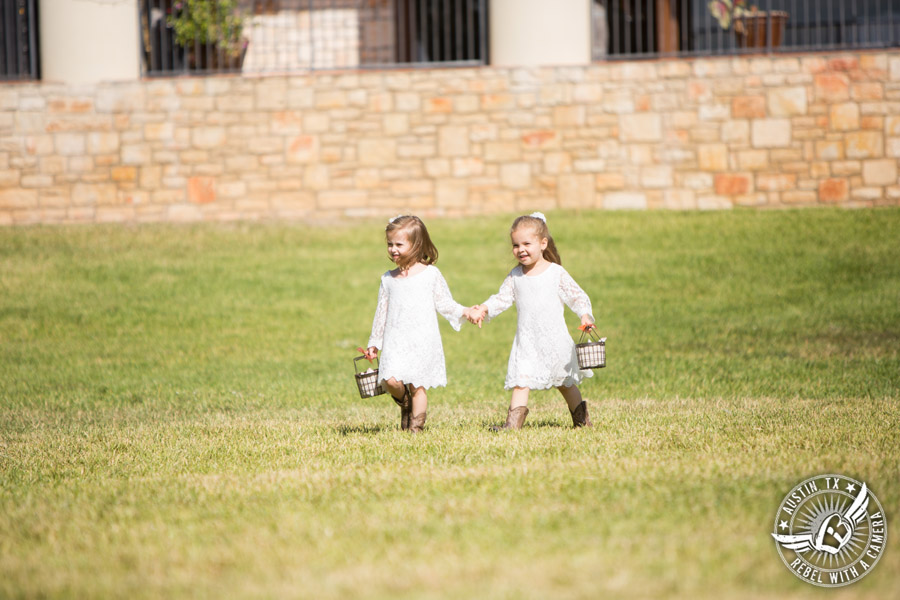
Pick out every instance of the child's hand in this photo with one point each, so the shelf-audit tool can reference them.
(475, 314)
(371, 353)
(587, 323)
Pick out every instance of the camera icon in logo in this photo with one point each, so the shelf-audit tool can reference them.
(830, 530)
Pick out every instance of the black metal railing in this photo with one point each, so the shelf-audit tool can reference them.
(266, 36)
(18, 40)
(624, 29)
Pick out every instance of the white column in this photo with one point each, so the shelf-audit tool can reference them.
(540, 32)
(89, 41)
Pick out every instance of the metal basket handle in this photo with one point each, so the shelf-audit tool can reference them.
(363, 357)
(592, 335)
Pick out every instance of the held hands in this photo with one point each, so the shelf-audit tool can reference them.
(476, 314)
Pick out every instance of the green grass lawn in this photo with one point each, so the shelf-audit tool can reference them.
(178, 416)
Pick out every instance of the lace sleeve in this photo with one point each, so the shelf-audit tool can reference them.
(445, 305)
(380, 318)
(502, 300)
(574, 297)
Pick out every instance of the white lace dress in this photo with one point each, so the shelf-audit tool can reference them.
(405, 328)
(543, 353)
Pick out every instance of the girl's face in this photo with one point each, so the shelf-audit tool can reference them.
(527, 247)
(398, 245)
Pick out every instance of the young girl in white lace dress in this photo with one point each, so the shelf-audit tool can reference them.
(405, 327)
(543, 353)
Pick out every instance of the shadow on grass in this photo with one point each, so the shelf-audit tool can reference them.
(360, 429)
(537, 423)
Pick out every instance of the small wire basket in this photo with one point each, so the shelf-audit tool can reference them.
(367, 381)
(592, 353)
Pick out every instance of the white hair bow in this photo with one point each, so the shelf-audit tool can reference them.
(391, 220)
(538, 215)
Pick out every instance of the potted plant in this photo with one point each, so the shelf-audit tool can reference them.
(211, 32)
(751, 25)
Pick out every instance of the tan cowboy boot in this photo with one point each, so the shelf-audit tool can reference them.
(405, 405)
(580, 416)
(417, 423)
(515, 418)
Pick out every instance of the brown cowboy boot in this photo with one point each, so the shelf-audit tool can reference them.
(580, 416)
(405, 405)
(515, 418)
(417, 423)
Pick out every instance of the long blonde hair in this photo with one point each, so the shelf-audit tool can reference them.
(422, 249)
(540, 228)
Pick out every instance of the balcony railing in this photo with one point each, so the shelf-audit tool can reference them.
(18, 40)
(625, 29)
(270, 36)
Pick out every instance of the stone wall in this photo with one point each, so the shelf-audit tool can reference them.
(768, 131)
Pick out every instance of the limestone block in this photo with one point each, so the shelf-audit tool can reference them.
(557, 162)
(867, 90)
(799, 197)
(341, 199)
(659, 176)
(679, 200)
(496, 102)
(748, 107)
(515, 175)
(408, 102)
(569, 116)
(844, 116)
(594, 165)
(451, 193)
(208, 137)
(771, 133)
(864, 144)
(576, 191)
(753, 160)
(609, 181)
(467, 103)
(832, 87)
(453, 141)
(421, 150)
(787, 102)
(379, 151)
(124, 174)
(714, 203)
(731, 184)
(776, 182)
(893, 147)
(396, 124)
(736, 132)
(833, 190)
(93, 194)
(17, 198)
(302, 149)
(640, 127)
(71, 144)
(137, 154)
(880, 172)
(712, 157)
(502, 151)
(625, 201)
(892, 125)
(541, 138)
(467, 167)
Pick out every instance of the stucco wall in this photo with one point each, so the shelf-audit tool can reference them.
(678, 134)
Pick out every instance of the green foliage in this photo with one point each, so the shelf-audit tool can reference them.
(214, 22)
(178, 416)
